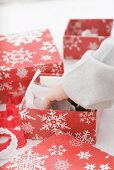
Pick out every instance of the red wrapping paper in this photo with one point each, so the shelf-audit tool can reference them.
(42, 123)
(62, 152)
(75, 45)
(21, 55)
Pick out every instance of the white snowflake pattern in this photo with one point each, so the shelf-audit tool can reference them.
(90, 166)
(20, 90)
(48, 46)
(42, 67)
(104, 166)
(85, 136)
(37, 137)
(4, 75)
(74, 142)
(24, 113)
(87, 117)
(5, 72)
(28, 161)
(25, 38)
(57, 150)
(6, 86)
(53, 122)
(4, 68)
(73, 42)
(108, 27)
(27, 127)
(78, 24)
(84, 155)
(76, 28)
(93, 46)
(18, 56)
(22, 72)
(46, 57)
(57, 68)
(62, 165)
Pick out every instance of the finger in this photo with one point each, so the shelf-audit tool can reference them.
(49, 99)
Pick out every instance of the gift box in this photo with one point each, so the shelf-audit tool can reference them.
(21, 55)
(62, 152)
(85, 34)
(39, 123)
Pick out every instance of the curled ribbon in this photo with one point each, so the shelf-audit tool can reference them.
(9, 147)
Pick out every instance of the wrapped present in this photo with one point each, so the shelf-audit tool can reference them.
(21, 55)
(61, 152)
(85, 34)
(10, 119)
(42, 123)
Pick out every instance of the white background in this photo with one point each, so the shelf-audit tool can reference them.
(23, 15)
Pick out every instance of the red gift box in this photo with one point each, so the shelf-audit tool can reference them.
(75, 44)
(21, 55)
(62, 152)
(42, 123)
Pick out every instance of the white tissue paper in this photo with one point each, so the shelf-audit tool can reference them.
(36, 93)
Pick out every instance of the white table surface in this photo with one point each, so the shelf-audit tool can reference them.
(23, 15)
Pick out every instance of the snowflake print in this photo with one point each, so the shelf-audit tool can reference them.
(57, 68)
(57, 150)
(108, 27)
(5, 86)
(22, 72)
(46, 57)
(42, 67)
(104, 166)
(87, 117)
(78, 24)
(29, 160)
(18, 56)
(4, 72)
(4, 68)
(37, 137)
(84, 155)
(93, 46)
(53, 122)
(74, 142)
(4, 75)
(85, 137)
(27, 127)
(76, 28)
(25, 114)
(90, 166)
(62, 165)
(25, 38)
(20, 90)
(47, 46)
(73, 42)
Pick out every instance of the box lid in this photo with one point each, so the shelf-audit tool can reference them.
(102, 27)
(23, 53)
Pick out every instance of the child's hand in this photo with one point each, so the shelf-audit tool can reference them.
(56, 94)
